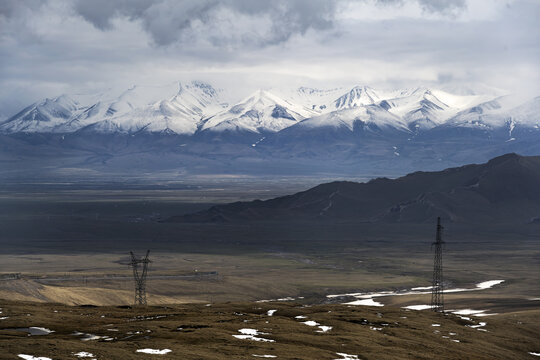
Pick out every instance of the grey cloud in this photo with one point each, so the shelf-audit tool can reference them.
(7, 8)
(445, 7)
(390, 2)
(444, 78)
(101, 12)
(169, 21)
(17, 12)
(10, 8)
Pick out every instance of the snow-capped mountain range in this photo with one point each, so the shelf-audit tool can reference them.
(171, 108)
(195, 128)
(194, 107)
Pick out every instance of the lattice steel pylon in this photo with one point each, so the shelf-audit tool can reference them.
(437, 300)
(140, 277)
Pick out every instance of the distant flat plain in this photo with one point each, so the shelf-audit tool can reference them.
(77, 238)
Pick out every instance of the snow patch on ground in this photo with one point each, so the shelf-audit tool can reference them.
(324, 329)
(265, 356)
(417, 307)
(467, 312)
(422, 288)
(270, 312)
(32, 330)
(252, 334)
(90, 337)
(154, 351)
(365, 302)
(489, 284)
(367, 298)
(84, 354)
(479, 326)
(30, 357)
(347, 357)
(288, 298)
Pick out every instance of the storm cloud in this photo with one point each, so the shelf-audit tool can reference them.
(238, 22)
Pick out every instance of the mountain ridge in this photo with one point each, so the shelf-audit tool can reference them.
(504, 189)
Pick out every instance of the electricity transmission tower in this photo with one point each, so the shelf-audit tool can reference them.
(140, 277)
(437, 301)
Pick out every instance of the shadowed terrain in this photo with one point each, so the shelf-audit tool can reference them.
(503, 190)
(69, 241)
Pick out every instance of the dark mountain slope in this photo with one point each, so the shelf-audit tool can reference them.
(506, 189)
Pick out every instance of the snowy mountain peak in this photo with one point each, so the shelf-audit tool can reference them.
(260, 112)
(307, 90)
(260, 99)
(420, 108)
(178, 114)
(200, 87)
(318, 100)
(357, 96)
(41, 116)
(501, 112)
(369, 118)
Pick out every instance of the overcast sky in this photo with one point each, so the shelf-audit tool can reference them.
(52, 47)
